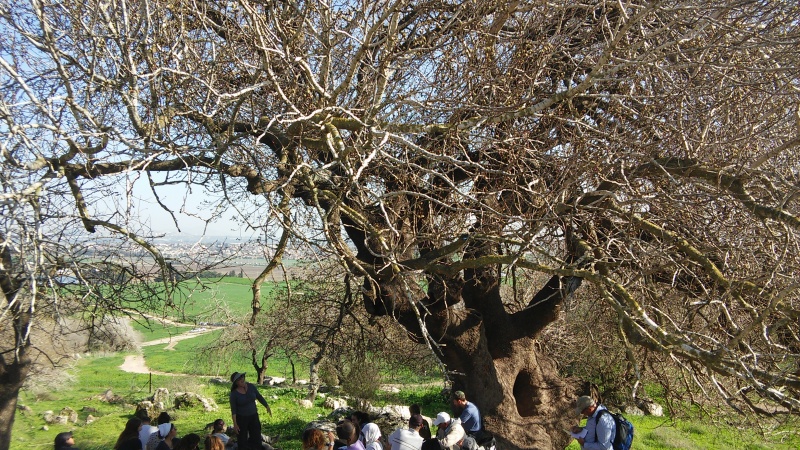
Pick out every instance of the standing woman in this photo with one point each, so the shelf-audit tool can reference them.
(244, 412)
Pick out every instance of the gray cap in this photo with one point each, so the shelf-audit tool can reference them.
(582, 403)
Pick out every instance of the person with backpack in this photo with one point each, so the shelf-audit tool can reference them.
(600, 427)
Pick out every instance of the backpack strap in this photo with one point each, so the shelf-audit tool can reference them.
(597, 421)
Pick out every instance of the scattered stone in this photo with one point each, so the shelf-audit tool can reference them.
(61, 420)
(192, 400)
(48, 416)
(631, 410)
(89, 409)
(388, 423)
(305, 403)
(390, 389)
(301, 382)
(70, 414)
(274, 397)
(324, 425)
(651, 408)
(24, 409)
(335, 403)
(161, 395)
(273, 381)
(45, 428)
(152, 410)
(218, 380)
(392, 411)
(109, 397)
(90, 418)
(342, 412)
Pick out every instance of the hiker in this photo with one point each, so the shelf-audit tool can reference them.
(346, 431)
(425, 429)
(408, 438)
(129, 438)
(450, 433)
(467, 412)
(246, 422)
(599, 433)
(64, 441)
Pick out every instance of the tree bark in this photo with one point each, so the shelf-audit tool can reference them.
(12, 376)
(522, 399)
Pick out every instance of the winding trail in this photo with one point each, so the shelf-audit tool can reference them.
(136, 363)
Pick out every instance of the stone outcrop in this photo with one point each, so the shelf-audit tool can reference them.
(192, 400)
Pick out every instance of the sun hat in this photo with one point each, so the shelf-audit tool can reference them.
(441, 418)
(236, 375)
(582, 403)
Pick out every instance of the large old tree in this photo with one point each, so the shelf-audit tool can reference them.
(646, 152)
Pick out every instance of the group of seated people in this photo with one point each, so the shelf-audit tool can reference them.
(140, 435)
(463, 431)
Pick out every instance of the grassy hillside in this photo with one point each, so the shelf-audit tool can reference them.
(80, 386)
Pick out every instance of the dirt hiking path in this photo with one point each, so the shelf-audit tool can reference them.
(136, 363)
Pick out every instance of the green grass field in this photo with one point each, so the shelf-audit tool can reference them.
(91, 377)
(80, 386)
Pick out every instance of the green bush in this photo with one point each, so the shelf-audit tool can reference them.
(362, 379)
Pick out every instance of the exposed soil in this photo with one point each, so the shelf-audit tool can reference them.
(136, 363)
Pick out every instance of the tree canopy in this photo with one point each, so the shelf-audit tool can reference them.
(439, 150)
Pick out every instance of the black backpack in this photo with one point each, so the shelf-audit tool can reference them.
(623, 438)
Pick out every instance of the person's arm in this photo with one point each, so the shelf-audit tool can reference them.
(261, 399)
(234, 410)
(603, 430)
(451, 438)
(331, 440)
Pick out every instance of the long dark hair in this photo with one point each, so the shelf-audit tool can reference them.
(131, 431)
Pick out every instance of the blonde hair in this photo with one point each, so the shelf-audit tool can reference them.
(214, 443)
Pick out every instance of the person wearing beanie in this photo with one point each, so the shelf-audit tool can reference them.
(408, 438)
(244, 412)
(64, 441)
(598, 433)
(467, 412)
